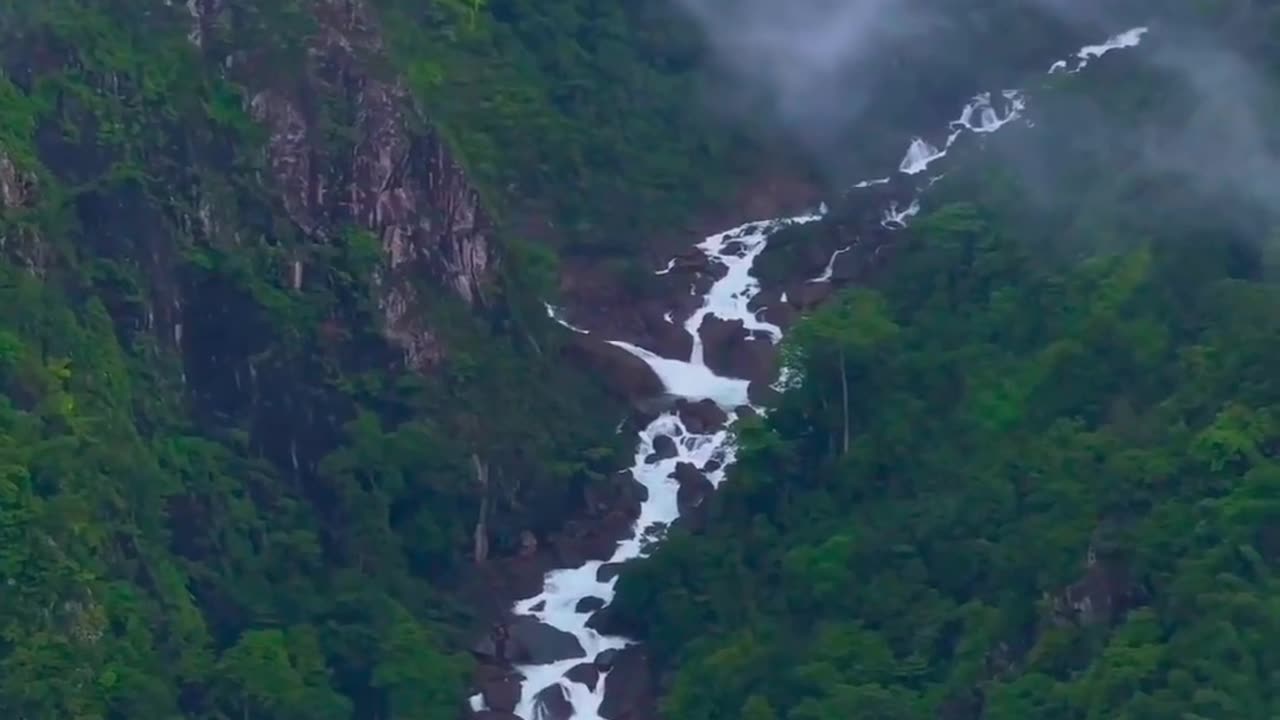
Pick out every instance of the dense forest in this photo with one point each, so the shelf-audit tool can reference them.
(1029, 471)
(1053, 490)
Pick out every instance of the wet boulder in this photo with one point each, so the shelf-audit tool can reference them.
(701, 417)
(552, 704)
(501, 693)
(628, 688)
(664, 448)
(589, 605)
(694, 487)
(584, 674)
(633, 378)
(533, 642)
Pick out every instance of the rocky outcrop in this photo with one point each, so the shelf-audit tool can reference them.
(625, 372)
(17, 193)
(628, 689)
(386, 177)
(527, 641)
(552, 704)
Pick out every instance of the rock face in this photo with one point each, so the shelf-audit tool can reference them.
(701, 417)
(552, 704)
(694, 487)
(502, 694)
(629, 374)
(527, 641)
(392, 180)
(628, 689)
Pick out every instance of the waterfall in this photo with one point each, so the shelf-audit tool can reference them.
(728, 299)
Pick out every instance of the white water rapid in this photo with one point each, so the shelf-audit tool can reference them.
(728, 299)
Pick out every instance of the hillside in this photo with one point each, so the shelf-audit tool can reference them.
(349, 348)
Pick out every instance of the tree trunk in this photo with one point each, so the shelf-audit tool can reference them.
(481, 539)
(844, 397)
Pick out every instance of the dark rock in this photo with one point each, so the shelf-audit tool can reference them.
(608, 571)
(606, 659)
(552, 704)
(589, 605)
(694, 486)
(718, 337)
(533, 642)
(538, 606)
(502, 693)
(753, 358)
(805, 296)
(667, 338)
(628, 688)
(711, 466)
(745, 411)
(664, 448)
(585, 674)
(761, 393)
(701, 417)
(634, 379)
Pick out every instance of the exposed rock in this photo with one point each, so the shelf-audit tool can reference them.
(711, 466)
(667, 338)
(694, 487)
(585, 674)
(532, 642)
(717, 335)
(608, 571)
(552, 704)
(589, 605)
(396, 181)
(701, 417)
(606, 659)
(664, 448)
(633, 378)
(805, 296)
(628, 688)
(502, 693)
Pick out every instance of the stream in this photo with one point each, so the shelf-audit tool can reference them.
(728, 299)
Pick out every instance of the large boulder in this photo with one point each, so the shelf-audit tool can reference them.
(589, 605)
(664, 448)
(633, 378)
(628, 688)
(584, 674)
(501, 693)
(532, 642)
(701, 417)
(694, 487)
(551, 703)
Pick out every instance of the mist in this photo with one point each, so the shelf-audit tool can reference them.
(836, 75)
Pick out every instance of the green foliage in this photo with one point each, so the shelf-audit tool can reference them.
(222, 495)
(1059, 499)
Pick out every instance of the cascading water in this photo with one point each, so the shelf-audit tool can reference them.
(728, 299)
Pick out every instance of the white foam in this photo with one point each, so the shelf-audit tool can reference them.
(1127, 39)
(554, 314)
(831, 265)
(727, 299)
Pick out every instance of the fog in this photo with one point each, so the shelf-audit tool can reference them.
(822, 69)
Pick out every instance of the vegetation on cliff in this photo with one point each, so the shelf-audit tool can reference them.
(1031, 472)
(221, 494)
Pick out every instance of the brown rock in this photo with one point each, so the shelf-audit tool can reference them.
(805, 296)
(701, 417)
(584, 674)
(664, 448)
(633, 378)
(694, 487)
(532, 642)
(552, 704)
(628, 689)
(502, 694)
